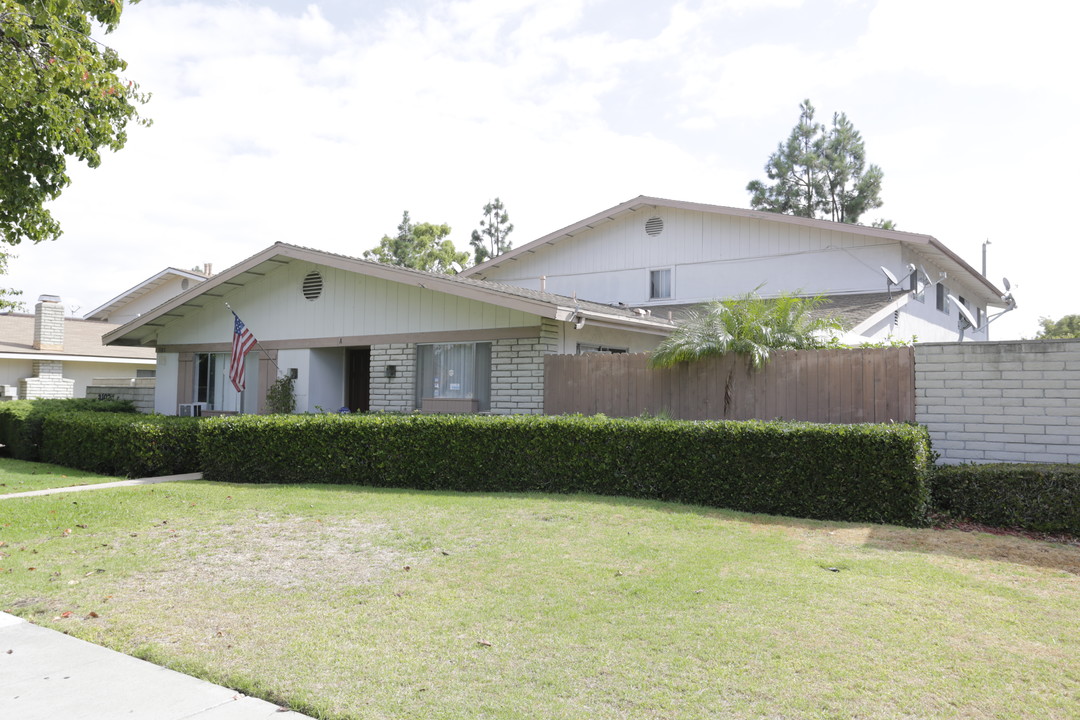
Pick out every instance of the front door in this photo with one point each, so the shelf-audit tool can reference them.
(358, 378)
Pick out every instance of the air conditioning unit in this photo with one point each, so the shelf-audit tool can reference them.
(191, 409)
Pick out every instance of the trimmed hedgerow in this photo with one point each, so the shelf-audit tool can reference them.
(1032, 496)
(128, 445)
(875, 473)
(21, 420)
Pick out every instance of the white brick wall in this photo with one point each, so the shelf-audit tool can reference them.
(1000, 401)
(517, 374)
(396, 394)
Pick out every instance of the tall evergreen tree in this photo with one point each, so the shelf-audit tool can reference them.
(490, 240)
(820, 172)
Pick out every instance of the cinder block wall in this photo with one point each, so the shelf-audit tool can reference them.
(1016, 401)
(140, 391)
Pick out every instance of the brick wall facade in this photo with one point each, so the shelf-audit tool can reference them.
(398, 393)
(48, 382)
(517, 374)
(49, 325)
(1000, 401)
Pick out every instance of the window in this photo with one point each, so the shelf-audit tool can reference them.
(943, 298)
(454, 370)
(145, 373)
(583, 349)
(660, 284)
(916, 287)
(212, 385)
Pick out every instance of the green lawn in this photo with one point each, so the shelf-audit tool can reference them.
(349, 602)
(20, 476)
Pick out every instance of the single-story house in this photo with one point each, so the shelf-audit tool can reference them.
(366, 336)
(669, 255)
(48, 355)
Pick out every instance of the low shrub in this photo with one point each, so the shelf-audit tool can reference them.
(128, 445)
(875, 473)
(21, 420)
(1036, 497)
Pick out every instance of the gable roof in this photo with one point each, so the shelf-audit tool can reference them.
(146, 286)
(928, 245)
(82, 341)
(143, 330)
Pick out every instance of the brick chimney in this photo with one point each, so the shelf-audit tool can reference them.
(49, 323)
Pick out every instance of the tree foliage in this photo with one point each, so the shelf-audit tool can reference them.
(1066, 327)
(820, 172)
(748, 325)
(7, 295)
(60, 96)
(490, 240)
(420, 246)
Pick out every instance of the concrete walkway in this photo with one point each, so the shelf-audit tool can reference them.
(104, 486)
(45, 674)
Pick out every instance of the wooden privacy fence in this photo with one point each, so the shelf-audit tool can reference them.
(828, 386)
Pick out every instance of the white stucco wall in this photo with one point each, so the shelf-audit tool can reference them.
(165, 400)
(327, 384)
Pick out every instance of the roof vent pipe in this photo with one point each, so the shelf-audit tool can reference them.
(543, 283)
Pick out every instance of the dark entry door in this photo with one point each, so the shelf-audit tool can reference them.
(358, 378)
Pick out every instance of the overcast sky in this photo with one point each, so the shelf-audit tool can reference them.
(319, 124)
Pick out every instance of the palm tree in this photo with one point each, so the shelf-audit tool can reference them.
(747, 325)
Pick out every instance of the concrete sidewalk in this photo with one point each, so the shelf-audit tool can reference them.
(105, 486)
(46, 674)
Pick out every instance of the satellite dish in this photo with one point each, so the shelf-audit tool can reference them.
(964, 312)
(1007, 284)
(922, 280)
(890, 276)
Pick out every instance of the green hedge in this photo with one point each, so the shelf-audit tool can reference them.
(875, 473)
(111, 444)
(21, 421)
(1036, 497)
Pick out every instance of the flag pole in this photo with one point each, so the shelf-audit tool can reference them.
(259, 345)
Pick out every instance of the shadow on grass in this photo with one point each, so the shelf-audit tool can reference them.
(956, 543)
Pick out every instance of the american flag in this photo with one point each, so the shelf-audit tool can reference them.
(242, 341)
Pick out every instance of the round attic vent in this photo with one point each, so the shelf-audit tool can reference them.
(654, 226)
(312, 285)
(185, 284)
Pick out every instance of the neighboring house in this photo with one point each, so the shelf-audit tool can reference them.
(367, 336)
(668, 256)
(147, 295)
(46, 355)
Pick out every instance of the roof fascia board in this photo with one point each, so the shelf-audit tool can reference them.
(362, 267)
(643, 201)
(426, 281)
(77, 358)
(192, 292)
(133, 290)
